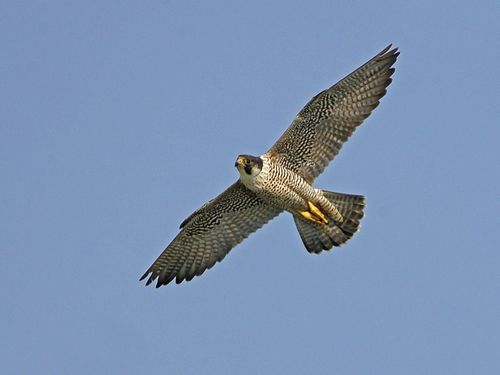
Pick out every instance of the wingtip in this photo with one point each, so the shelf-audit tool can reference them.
(388, 55)
(389, 50)
(149, 281)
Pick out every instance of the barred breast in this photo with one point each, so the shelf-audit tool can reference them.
(284, 188)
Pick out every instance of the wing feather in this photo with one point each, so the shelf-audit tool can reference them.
(318, 132)
(209, 233)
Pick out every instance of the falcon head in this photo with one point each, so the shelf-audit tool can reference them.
(248, 165)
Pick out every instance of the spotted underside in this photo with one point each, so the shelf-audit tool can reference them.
(318, 132)
(209, 233)
(314, 138)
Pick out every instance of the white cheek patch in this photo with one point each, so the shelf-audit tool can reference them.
(248, 180)
(256, 179)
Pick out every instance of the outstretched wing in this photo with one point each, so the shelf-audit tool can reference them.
(210, 233)
(318, 132)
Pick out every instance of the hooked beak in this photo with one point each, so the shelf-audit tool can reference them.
(238, 162)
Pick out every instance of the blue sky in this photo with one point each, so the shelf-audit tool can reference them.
(120, 118)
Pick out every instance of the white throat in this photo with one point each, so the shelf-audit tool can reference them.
(254, 180)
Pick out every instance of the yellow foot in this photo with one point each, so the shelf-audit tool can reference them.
(314, 214)
(317, 212)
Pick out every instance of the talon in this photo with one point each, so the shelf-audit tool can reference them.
(317, 212)
(310, 217)
(314, 214)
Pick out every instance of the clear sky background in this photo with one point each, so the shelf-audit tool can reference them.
(118, 119)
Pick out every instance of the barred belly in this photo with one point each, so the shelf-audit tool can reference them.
(284, 188)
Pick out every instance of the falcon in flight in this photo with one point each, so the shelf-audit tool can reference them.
(281, 180)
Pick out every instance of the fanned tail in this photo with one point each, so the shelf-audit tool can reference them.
(319, 237)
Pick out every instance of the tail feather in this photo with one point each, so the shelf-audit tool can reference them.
(318, 237)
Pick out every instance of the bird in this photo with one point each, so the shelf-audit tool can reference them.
(282, 179)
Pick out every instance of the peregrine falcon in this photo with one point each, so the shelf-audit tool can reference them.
(281, 180)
